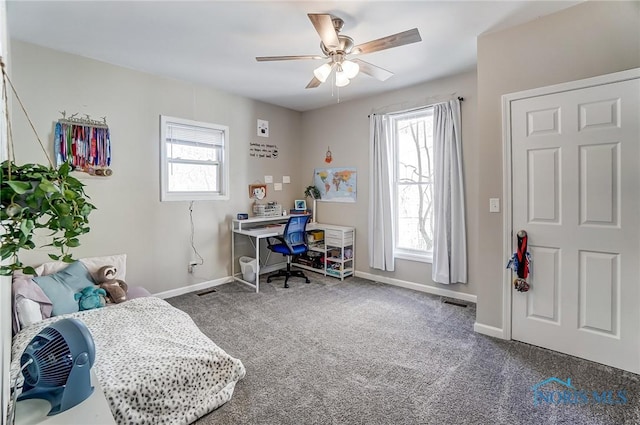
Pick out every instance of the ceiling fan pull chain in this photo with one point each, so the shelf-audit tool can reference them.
(333, 82)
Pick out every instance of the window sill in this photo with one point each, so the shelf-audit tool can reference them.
(195, 196)
(414, 257)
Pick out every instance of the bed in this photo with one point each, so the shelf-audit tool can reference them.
(154, 365)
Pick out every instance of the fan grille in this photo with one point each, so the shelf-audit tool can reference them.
(52, 360)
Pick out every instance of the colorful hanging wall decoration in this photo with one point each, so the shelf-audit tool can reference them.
(84, 143)
(328, 156)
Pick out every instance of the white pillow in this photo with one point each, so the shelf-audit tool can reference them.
(28, 312)
(92, 264)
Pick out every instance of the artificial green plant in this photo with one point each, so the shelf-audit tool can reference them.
(312, 192)
(35, 197)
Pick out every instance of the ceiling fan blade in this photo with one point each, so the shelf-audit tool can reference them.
(372, 70)
(395, 40)
(287, 58)
(313, 83)
(324, 26)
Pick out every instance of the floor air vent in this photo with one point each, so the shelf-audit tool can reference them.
(208, 291)
(456, 303)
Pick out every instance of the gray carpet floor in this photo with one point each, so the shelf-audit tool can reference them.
(360, 352)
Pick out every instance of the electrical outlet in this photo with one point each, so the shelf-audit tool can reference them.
(192, 264)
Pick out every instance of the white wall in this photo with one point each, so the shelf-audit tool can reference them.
(345, 128)
(130, 219)
(592, 38)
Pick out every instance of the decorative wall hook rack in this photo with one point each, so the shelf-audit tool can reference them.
(87, 120)
(84, 143)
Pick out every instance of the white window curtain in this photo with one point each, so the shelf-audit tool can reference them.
(381, 233)
(450, 240)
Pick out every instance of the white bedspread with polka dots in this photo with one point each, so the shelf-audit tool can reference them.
(154, 365)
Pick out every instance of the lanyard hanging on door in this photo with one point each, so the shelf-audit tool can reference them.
(520, 263)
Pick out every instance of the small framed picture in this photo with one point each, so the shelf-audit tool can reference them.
(300, 205)
(257, 191)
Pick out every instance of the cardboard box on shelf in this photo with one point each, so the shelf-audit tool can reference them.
(315, 235)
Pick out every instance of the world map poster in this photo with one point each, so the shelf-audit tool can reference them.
(336, 184)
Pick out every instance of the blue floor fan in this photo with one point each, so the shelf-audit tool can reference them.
(57, 365)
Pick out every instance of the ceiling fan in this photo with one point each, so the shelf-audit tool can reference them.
(336, 47)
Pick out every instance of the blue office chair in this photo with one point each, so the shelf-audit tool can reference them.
(292, 242)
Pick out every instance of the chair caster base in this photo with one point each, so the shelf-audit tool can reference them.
(287, 274)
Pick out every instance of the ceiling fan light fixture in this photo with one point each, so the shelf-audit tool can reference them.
(322, 72)
(341, 78)
(350, 68)
(337, 47)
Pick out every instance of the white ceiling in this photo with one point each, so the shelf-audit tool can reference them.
(216, 42)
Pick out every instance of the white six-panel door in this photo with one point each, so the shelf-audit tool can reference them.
(576, 191)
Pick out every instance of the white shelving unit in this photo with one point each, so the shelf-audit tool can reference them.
(337, 248)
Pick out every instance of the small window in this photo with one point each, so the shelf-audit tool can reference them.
(194, 160)
(412, 134)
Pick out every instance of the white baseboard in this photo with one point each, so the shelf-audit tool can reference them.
(211, 283)
(396, 282)
(489, 330)
(192, 288)
(419, 287)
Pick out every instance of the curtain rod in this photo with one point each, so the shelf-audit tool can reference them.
(460, 98)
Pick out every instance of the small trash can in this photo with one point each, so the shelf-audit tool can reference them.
(248, 268)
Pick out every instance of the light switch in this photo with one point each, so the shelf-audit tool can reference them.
(494, 205)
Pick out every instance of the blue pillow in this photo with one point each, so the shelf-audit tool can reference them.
(61, 287)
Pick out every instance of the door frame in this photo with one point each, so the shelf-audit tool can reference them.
(507, 179)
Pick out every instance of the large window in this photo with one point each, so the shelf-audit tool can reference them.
(194, 159)
(413, 141)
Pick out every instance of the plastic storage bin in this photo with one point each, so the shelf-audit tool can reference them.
(267, 210)
(248, 268)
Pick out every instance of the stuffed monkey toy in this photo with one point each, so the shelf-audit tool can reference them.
(116, 288)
